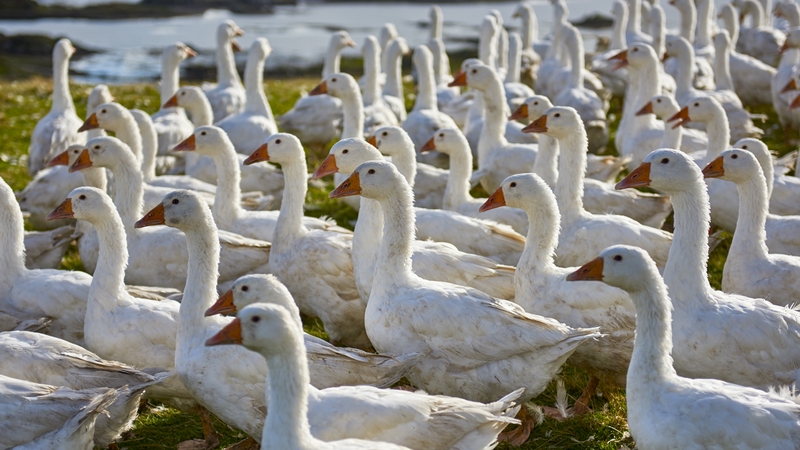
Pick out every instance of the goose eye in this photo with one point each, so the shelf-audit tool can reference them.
(345, 151)
(513, 184)
(97, 147)
(665, 161)
(333, 80)
(557, 115)
(635, 49)
(371, 171)
(734, 156)
(202, 133)
(535, 103)
(744, 147)
(245, 288)
(441, 135)
(82, 197)
(175, 201)
(384, 133)
(256, 319)
(696, 104)
(277, 141)
(103, 111)
(474, 70)
(658, 101)
(183, 93)
(617, 257)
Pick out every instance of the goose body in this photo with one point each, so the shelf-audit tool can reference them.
(227, 97)
(45, 249)
(761, 42)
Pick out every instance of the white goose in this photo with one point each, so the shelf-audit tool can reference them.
(377, 113)
(582, 232)
(543, 288)
(263, 177)
(749, 268)
(25, 294)
(250, 127)
(759, 41)
(57, 130)
(393, 88)
(409, 417)
(616, 79)
(240, 255)
(441, 73)
(633, 29)
(531, 60)
(317, 119)
(227, 97)
(171, 124)
(437, 261)
(39, 416)
(702, 73)
(769, 354)
(401, 303)
(45, 249)
(690, 412)
(788, 67)
(316, 265)
(516, 92)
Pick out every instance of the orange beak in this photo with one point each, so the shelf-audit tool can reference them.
(62, 159)
(795, 103)
(521, 113)
(665, 57)
(640, 177)
(90, 124)
(784, 47)
(224, 305)
(714, 169)
(537, 126)
(190, 53)
(351, 43)
(646, 109)
(327, 167)
(373, 141)
(790, 86)
(261, 154)
(591, 271)
(238, 32)
(83, 161)
(460, 79)
(172, 102)
(349, 187)
(321, 88)
(235, 46)
(496, 200)
(621, 58)
(230, 334)
(154, 217)
(187, 144)
(682, 116)
(429, 146)
(64, 211)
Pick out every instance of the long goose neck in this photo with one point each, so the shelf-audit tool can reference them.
(618, 41)
(226, 66)
(394, 73)
(287, 399)
(372, 70)
(731, 24)
(542, 240)
(333, 57)
(149, 144)
(353, 107)
(405, 160)
(791, 14)
(722, 70)
(494, 103)
(229, 192)
(367, 238)
(457, 190)
(672, 136)
(634, 16)
(685, 72)
(571, 170)
(528, 30)
(256, 101)
(201, 112)
(290, 221)
(688, 21)
(426, 90)
(128, 132)
(686, 270)
(756, 13)
(128, 190)
(170, 77)
(649, 86)
(514, 60)
(394, 256)
(750, 238)
(108, 280)
(201, 278)
(658, 31)
(95, 177)
(651, 360)
(704, 10)
(719, 134)
(62, 99)
(546, 164)
(576, 59)
(12, 232)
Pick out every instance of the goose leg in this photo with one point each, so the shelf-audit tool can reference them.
(210, 436)
(519, 435)
(582, 403)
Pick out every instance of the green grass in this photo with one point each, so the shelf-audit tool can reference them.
(23, 103)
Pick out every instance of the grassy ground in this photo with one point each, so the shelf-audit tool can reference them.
(22, 104)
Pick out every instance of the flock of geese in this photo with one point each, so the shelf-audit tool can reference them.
(477, 302)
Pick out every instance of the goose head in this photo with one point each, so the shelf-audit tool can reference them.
(346, 155)
(226, 34)
(263, 328)
(792, 39)
(477, 76)
(103, 151)
(448, 141)
(525, 191)
(641, 56)
(179, 209)
(667, 170)
(757, 148)
(398, 46)
(336, 85)
(84, 203)
(250, 289)
(67, 157)
(370, 47)
(523, 10)
(735, 165)
(391, 141)
(663, 106)
(532, 108)
(676, 46)
(422, 58)
(208, 141)
(173, 54)
(387, 33)
(188, 97)
(100, 94)
(435, 13)
(559, 122)
(622, 266)
(619, 10)
(699, 109)
(63, 50)
(722, 41)
(341, 40)
(108, 116)
(280, 148)
(260, 49)
(684, 6)
(377, 180)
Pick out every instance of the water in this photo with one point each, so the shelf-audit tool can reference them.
(129, 48)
